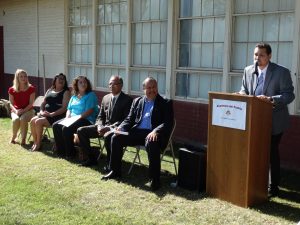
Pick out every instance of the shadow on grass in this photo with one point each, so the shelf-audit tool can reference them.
(139, 177)
(285, 205)
(282, 206)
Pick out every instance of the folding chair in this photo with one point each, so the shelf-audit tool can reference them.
(168, 148)
(36, 105)
(101, 146)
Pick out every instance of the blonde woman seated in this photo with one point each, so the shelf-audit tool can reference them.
(53, 108)
(21, 97)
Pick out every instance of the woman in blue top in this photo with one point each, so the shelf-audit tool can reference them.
(83, 103)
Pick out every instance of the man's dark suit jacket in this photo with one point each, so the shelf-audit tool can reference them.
(278, 85)
(107, 116)
(162, 118)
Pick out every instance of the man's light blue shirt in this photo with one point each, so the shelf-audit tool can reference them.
(146, 117)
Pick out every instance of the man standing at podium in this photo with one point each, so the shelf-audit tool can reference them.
(271, 82)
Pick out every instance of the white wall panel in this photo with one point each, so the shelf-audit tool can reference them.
(27, 39)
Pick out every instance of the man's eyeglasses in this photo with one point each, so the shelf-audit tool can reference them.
(113, 84)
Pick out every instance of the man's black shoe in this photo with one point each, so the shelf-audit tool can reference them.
(273, 192)
(155, 185)
(111, 175)
(89, 163)
(106, 169)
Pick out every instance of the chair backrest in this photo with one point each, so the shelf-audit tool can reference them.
(173, 129)
(38, 101)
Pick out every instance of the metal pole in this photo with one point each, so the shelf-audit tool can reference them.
(44, 74)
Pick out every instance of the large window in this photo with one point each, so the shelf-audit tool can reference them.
(111, 39)
(80, 38)
(149, 41)
(266, 20)
(201, 47)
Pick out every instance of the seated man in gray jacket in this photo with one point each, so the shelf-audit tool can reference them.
(114, 109)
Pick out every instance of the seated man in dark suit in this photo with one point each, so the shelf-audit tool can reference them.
(149, 123)
(114, 109)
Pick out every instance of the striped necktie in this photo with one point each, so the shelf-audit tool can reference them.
(260, 85)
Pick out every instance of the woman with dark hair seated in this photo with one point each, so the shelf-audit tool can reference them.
(53, 108)
(83, 106)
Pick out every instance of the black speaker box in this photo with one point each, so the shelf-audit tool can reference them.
(192, 169)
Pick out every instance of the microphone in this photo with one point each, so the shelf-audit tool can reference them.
(256, 68)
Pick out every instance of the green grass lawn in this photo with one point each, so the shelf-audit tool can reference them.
(39, 188)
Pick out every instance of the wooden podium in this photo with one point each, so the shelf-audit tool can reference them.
(238, 160)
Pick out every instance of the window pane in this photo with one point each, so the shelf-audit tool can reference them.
(116, 54)
(185, 8)
(155, 52)
(146, 32)
(196, 30)
(239, 53)
(101, 54)
(205, 82)
(216, 83)
(235, 84)
(218, 55)
(284, 54)
(117, 34)
(107, 13)
(136, 10)
(184, 55)
(108, 34)
(195, 55)
(155, 9)
(123, 34)
(241, 29)
(196, 7)
(181, 85)
(207, 7)
(155, 32)
(146, 54)
(256, 28)
(219, 7)
(123, 54)
(108, 54)
(255, 6)
(287, 4)
(123, 12)
(193, 86)
(137, 60)
(100, 14)
(185, 31)
(163, 32)
(115, 13)
(163, 53)
(240, 6)
(206, 55)
(145, 9)
(286, 27)
(73, 54)
(135, 81)
(163, 10)
(271, 27)
(271, 5)
(138, 32)
(219, 31)
(208, 30)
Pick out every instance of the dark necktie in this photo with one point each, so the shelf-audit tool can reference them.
(260, 85)
(113, 101)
